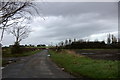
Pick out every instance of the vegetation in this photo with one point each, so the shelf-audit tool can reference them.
(25, 52)
(112, 43)
(4, 62)
(21, 55)
(79, 65)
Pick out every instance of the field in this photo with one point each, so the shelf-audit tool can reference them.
(8, 58)
(105, 54)
(83, 66)
(6, 51)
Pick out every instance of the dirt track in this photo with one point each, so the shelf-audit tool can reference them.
(106, 54)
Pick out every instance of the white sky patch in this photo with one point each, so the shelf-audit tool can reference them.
(8, 39)
(100, 36)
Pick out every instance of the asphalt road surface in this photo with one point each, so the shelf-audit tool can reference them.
(35, 66)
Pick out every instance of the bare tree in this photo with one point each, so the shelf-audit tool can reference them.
(74, 40)
(19, 32)
(114, 39)
(11, 11)
(109, 39)
(81, 40)
(70, 41)
(66, 42)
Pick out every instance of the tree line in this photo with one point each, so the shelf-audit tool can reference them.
(111, 43)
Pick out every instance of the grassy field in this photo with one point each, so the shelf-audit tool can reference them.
(4, 62)
(41, 47)
(84, 66)
(20, 55)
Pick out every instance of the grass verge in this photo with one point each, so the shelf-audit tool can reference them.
(84, 66)
(5, 62)
(20, 55)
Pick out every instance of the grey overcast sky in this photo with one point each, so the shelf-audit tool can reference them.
(64, 20)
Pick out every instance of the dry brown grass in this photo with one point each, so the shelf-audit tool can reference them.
(73, 53)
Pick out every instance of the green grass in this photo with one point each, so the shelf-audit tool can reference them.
(84, 66)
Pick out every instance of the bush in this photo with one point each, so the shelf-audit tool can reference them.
(15, 49)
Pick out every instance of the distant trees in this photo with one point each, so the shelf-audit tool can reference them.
(70, 41)
(74, 40)
(41, 45)
(111, 39)
(114, 39)
(66, 42)
(81, 43)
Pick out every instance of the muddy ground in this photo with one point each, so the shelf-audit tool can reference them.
(105, 54)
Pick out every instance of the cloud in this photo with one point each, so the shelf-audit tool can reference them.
(72, 20)
(75, 8)
(59, 28)
(100, 36)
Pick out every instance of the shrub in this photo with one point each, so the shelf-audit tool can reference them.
(15, 49)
